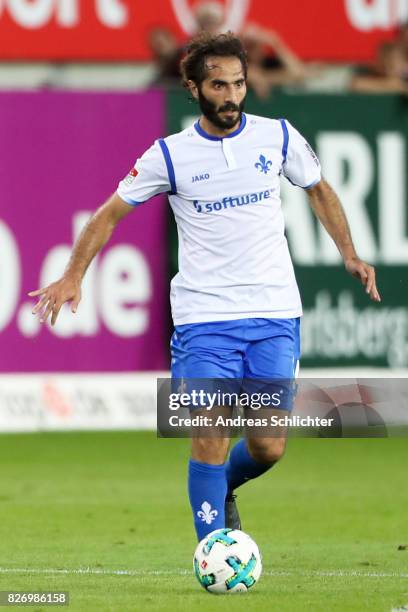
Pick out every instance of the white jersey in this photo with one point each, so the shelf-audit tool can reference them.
(234, 260)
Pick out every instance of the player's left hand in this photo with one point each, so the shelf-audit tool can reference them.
(366, 273)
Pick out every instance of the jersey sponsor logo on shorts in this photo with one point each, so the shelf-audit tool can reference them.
(263, 165)
(200, 177)
(131, 176)
(233, 201)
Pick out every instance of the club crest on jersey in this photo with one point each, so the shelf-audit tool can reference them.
(263, 164)
(200, 177)
(131, 176)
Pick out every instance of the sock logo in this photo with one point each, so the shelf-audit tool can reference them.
(206, 514)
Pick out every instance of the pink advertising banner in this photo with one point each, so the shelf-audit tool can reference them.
(62, 155)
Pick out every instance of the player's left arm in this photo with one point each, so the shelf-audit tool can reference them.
(328, 209)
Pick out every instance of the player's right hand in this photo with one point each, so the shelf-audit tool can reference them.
(66, 289)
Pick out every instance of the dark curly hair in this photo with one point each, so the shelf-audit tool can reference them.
(193, 65)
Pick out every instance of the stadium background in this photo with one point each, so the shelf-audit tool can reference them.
(71, 130)
(76, 110)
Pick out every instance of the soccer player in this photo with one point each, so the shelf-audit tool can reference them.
(235, 303)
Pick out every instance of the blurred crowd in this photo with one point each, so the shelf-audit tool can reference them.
(389, 71)
(272, 63)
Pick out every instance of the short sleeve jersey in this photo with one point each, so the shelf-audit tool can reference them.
(234, 261)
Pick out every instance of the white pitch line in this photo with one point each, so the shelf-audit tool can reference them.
(90, 570)
(184, 572)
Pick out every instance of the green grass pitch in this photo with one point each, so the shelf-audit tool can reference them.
(76, 509)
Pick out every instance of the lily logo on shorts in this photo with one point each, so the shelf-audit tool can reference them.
(263, 165)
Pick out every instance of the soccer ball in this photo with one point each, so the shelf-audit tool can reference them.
(227, 561)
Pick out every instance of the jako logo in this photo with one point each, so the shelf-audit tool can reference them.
(200, 177)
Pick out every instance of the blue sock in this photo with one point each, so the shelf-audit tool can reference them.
(240, 466)
(207, 488)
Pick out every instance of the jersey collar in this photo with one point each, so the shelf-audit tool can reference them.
(204, 134)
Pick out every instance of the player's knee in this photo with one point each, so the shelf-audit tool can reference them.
(267, 451)
(209, 450)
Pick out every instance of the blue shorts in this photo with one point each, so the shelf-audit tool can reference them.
(238, 349)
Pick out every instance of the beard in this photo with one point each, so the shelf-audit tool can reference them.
(212, 113)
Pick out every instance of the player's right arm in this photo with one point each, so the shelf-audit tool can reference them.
(148, 178)
(93, 237)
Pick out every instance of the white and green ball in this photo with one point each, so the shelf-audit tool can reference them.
(227, 561)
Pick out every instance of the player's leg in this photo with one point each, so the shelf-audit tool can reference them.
(205, 352)
(251, 457)
(269, 450)
(212, 450)
(272, 356)
(207, 483)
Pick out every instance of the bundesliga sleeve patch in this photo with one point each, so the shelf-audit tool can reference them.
(131, 176)
(312, 153)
